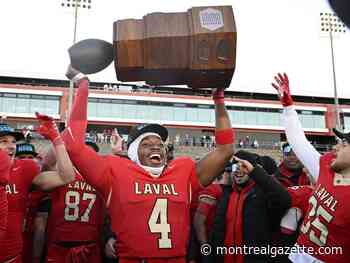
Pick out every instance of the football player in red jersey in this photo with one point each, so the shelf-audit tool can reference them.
(207, 202)
(290, 223)
(23, 174)
(327, 222)
(205, 210)
(149, 198)
(5, 165)
(33, 215)
(75, 222)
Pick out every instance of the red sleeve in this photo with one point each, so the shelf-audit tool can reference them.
(300, 196)
(212, 192)
(204, 208)
(195, 184)
(30, 170)
(77, 122)
(5, 165)
(93, 168)
(3, 212)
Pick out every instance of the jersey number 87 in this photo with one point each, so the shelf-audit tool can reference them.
(72, 210)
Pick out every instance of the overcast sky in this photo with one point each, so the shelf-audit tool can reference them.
(273, 36)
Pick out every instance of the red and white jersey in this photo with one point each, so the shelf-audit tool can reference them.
(214, 193)
(300, 202)
(300, 196)
(21, 176)
(77, 213)
(327, 222)
(150, 216)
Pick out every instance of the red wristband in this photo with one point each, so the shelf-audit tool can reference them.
(226, 136)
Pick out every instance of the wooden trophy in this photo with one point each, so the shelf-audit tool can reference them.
(195, 48)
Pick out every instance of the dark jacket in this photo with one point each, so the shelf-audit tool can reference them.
(263, 204)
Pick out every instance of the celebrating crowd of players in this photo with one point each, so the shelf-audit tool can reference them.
(74, 205)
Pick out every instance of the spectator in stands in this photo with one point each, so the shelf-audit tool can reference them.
(187, 139)
(255, 143)
(203, 141)
(194, 141)
(251, 213)
(290, 171)
(241, 144)
(208, 141)
(170, 152)
(177, 139)
(100, 137)
(246, 142)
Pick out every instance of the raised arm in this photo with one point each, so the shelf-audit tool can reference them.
(94, 168)
(303, 149)
(65, 170)
(213, 163)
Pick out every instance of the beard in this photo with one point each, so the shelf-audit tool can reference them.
(336, 167)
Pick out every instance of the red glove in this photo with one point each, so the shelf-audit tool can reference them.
(218, 96)
(48, 129)
(282, 88)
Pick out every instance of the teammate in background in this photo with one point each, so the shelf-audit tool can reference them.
(290, 172)
(207, 201)
(149, 200)
(327, 221)
(290, 223)
(75, 222)
(34, 217)
(23, 174)
(5, 165)
(205, 210)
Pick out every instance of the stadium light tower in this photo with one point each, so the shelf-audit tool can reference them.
(331, 26)
(76, 6)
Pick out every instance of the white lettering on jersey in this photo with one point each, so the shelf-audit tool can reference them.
(11, 189)
(156, 189)
(82, 185)
(326, 198)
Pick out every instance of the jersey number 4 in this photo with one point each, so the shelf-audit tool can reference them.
(158, 222)
(72, 201)
(313, 222)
